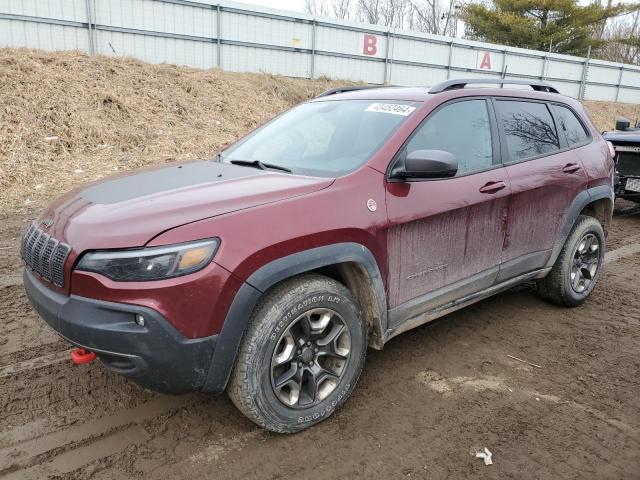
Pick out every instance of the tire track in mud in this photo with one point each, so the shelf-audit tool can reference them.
(10, 280)
(62, 394)
(621, 252)
(73, 460)
(66, 450)
(22, 353)
(24, 334)
(448, 387)
(33, 363)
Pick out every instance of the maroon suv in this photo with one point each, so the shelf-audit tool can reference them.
(338, 225)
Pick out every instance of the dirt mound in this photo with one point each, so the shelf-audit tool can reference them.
(67, 118)
(604, 114)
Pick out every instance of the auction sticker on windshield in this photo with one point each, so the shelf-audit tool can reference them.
(393, 108)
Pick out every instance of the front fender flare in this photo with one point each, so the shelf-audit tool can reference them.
(267, 276)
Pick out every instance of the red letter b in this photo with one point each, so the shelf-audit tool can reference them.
(370, 45)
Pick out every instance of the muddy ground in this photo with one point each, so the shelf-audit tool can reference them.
(423, 406)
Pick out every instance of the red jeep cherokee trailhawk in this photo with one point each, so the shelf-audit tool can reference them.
(336, 226)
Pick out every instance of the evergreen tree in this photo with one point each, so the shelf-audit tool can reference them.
(561, 26)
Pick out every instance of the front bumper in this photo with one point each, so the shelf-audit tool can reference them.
(155, 355)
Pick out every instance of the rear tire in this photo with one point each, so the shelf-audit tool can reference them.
(578, 267)
(302, 354)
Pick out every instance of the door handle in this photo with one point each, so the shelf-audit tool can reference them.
(571, 168)
(493, 187)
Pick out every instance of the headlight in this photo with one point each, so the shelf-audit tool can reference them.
(155, 263)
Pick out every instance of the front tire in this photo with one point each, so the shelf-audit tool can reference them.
(578, 267)
(301, 356)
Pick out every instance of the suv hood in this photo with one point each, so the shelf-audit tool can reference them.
(632, 136)
(128, 211)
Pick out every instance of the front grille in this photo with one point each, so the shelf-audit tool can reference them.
(628, 164)
(44, 255)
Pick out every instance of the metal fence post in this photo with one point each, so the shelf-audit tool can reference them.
(391, 55)
(544, 67)
(504, 63)
(449, 61)
(386, 58)
(504, 67)
(313, 48)
(92, 48)
(585, 71)
(218, 37)
(619, 82)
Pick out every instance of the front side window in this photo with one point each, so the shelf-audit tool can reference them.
(570, 126)
(462, 129)
(528, 127)
(328, 138)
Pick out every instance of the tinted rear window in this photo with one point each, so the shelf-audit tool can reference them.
(570, 126)
(529, 129)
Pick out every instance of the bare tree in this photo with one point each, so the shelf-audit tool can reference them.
(394, 13)
(316, 7)
(602, 27)
(368, 11)
(431, 16)
(434, 16)
(390, 13)
(623, 34)
(341, 9)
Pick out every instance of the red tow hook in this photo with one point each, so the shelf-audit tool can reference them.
(80, 356)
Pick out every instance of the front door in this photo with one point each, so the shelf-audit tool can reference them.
(446, 235)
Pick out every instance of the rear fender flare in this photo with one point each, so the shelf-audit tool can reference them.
(583, 199)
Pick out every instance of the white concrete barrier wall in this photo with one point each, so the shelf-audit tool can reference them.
(246, 38)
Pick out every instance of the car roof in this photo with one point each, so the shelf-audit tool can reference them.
(421, 94)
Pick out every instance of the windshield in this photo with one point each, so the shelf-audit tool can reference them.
(327, 138)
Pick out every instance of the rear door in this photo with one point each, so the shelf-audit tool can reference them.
(446, 235)
(545, 176)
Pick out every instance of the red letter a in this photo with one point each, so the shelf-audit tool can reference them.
(486, 61)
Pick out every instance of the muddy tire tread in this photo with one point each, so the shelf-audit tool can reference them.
(241, 384)
(554, 287)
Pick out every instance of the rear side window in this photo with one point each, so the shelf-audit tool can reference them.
(570, 126)
(529, 129)
(461, 128)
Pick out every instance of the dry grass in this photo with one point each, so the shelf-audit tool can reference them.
(604, 113)
(66, 118)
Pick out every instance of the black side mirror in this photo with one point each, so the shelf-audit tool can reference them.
(622, 123)
(427, 164)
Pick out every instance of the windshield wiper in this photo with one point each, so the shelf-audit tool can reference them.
(260, 165)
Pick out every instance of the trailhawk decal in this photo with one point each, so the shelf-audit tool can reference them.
(393, 108)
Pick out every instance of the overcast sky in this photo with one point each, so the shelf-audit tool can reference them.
(293, 5)
(298, 6)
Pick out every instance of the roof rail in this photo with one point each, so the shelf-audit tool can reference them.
(463, 82)
(334, 91)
